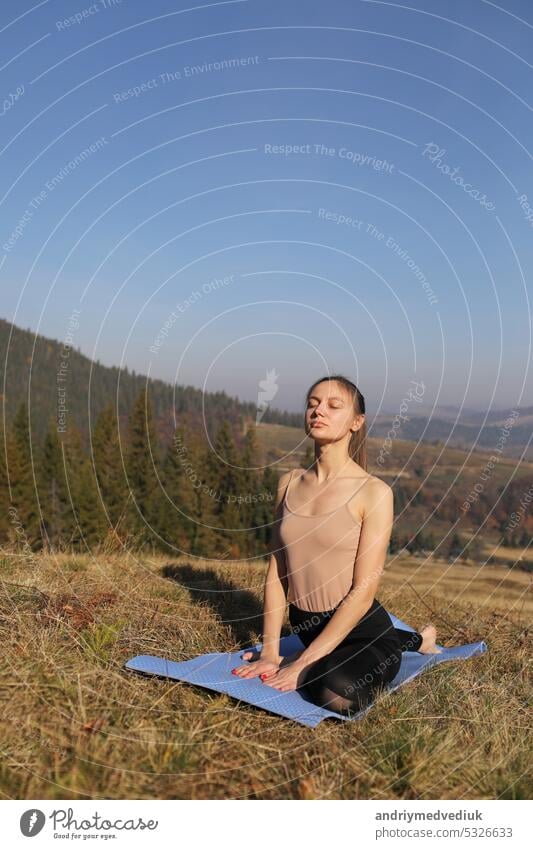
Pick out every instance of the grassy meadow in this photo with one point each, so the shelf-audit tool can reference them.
(76, 725)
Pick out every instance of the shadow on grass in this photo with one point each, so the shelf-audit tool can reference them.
(239, 609)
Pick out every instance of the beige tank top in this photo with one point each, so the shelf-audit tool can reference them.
(320, 554)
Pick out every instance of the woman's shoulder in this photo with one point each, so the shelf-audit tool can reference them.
(374, 494)
(283, 482)
(378, 484)
(377, 497)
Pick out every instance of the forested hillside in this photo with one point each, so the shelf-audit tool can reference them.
(40, 364)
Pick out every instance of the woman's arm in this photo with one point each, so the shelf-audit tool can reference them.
(275, 602)
(372, 551)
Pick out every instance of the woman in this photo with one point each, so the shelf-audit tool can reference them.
(334, 529)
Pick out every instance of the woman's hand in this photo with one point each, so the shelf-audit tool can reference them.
(287, 678)
(258, 664)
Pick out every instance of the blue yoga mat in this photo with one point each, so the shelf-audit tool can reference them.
(213, 671)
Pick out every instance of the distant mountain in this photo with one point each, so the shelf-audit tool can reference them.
(471, 417)
(447, 412)
(463, 434)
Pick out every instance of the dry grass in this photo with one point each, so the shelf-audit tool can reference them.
(77, 725)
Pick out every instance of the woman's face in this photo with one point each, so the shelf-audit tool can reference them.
(329, 414)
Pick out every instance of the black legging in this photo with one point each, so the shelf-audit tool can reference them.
(349, 677)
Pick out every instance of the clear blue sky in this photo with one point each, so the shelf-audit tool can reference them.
(290, 188)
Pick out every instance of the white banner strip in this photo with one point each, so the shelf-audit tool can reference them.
(178, 823)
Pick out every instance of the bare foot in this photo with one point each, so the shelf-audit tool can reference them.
(429, 639)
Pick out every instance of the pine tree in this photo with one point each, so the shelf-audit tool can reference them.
(177, 498)
(417, 543)
(266, 509)
(394, 542)
(205, 537)
(431, 542)
(142, 459)
(85, 515)
(56, 521)
(226, 481)
(108, 466)
(4, 491)
(474, 549)
(92, 518)
(455, 548)
(24, 502)
(251, 511)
